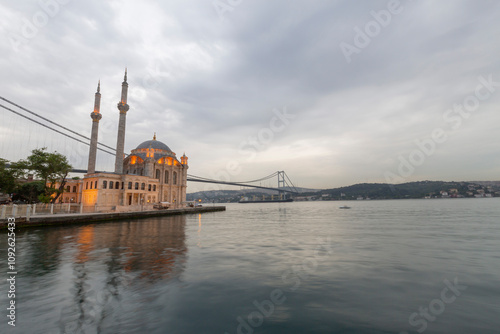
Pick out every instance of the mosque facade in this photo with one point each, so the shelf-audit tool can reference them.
(150, 174)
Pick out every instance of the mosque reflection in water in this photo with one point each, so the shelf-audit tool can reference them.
(104, 266)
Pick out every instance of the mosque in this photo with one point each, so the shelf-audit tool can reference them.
(151, 173)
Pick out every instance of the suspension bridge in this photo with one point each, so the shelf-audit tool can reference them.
(58, 131)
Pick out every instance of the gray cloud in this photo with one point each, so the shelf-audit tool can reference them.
(206, 85)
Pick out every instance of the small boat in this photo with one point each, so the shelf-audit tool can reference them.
(344, 207)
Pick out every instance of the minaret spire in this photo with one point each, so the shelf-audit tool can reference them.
(96, 117)
(124, 88)
(120, 141)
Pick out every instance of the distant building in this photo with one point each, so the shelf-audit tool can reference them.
(72, 191)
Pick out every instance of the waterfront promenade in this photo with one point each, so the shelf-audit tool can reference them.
(73, 218)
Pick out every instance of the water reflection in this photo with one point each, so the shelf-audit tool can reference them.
(96, 270)
(387, 259)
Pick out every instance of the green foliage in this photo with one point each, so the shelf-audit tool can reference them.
(7, 178)
(30, 191)
(49, 167)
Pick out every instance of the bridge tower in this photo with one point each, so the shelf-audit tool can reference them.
(96, 117)
(123, 107)
(281, 182)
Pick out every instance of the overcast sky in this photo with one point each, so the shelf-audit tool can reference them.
(332, 92)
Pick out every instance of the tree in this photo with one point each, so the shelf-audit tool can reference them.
(30, 191)
(7, 178)
(51, 168)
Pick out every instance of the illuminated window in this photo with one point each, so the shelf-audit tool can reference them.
(104, 184)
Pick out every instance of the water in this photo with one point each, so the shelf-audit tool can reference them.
(266, 268)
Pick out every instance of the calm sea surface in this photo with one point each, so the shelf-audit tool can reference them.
(411, 266)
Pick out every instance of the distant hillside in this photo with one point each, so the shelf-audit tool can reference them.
(420, 189)
(235, 195)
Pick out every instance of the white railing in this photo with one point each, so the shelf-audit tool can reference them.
(40, 209)
(30, 210)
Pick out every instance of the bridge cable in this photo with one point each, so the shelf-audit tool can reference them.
(48, 127)
(261, 179)
(48, 120)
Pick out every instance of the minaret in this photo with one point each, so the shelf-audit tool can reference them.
(120, 141)
(96, 117)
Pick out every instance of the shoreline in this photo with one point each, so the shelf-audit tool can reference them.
(68, 219)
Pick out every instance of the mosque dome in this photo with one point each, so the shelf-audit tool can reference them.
(156, 144)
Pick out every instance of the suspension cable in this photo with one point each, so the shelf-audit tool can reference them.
(48, 127)
(48, 120)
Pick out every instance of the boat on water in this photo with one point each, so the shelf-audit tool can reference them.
(344, 207)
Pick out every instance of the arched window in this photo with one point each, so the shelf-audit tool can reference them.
(68, 188)
(130, 185)
(175, 178)
(154, 187)
(110, 184)
(117, 185)
(86, 185)
(137, 186)
(166, 177)
(91, 183)
(158, 174)
(74, 189)
(95, 184)
(143, 186)
(149, 187)
(123, 183)
(104, 184)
